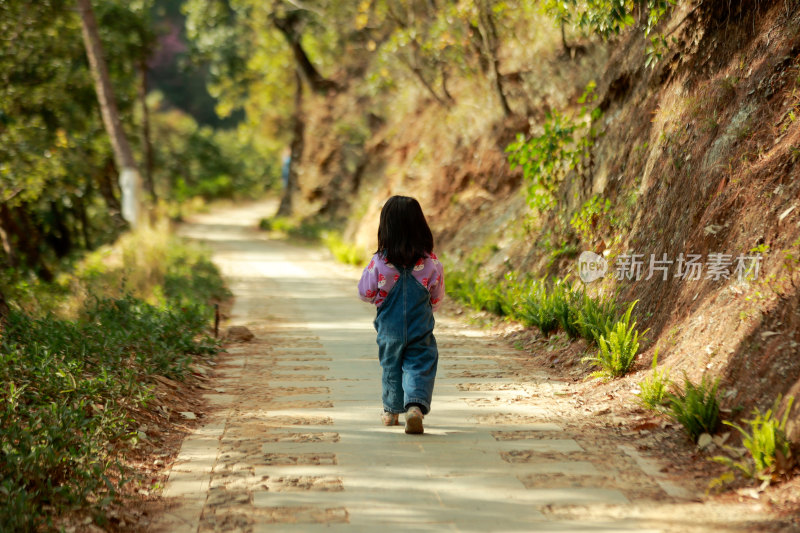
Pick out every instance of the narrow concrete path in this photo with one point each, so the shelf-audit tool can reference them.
(294, 441)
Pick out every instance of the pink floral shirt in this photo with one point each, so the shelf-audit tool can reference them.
(380, 276)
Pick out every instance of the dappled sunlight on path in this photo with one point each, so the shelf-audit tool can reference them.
(295, 443)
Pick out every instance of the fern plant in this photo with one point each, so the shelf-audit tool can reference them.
(696, 408)
(770, 450)
(654, 387)
(564, 302)
(618, 348)
(536, 308)
(595, 317)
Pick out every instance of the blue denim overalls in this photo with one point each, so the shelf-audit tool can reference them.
(406, 346)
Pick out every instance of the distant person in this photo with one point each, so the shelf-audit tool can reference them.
(286, 163)
(405, 281)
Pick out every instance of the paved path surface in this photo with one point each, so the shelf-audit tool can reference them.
(294, 442)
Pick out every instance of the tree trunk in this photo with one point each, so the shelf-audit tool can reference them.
(316, 81)
(298, 127)
(488, 32)
(3, 311)
(129, 173)
(24, 239)
(146, 141)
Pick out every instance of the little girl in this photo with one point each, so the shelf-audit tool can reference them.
(406, 283)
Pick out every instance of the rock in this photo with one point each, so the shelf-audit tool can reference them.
(188, 415)
(704, 441)
(239, 334)
(720, 439)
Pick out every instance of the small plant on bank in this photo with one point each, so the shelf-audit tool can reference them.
(480, 294)
(586, 220)
(654, 387)
(765, 439)
(595, 317)
(537, 308)
(696, 408)
(344, 252)
(617, 349)
(565, 301)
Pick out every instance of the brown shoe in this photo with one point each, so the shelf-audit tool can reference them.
(414, 420)
(390, 419)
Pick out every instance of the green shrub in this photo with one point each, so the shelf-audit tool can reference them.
(545, 159)
(586, 220)
(654, 387)
(564, 145)
(565, 304)
(696, 408)
(71, 381)
(537, 308)
(595, 317)
(765, 439)
(69, 387)
(618, 348)
(467, 287)
(346, 253)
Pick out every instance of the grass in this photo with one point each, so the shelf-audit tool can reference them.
(566, 302)
(553, 306)
(618, 347)
(536, 308)
(654, 388)
(310, 231)
(766, 441)
(306, 230)
(478, 293)
(696, 407)
(76, 366)
(595, 317)
(344, 252)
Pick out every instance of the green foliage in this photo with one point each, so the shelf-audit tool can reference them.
(533, 303)
(73, 379)
(70, 384)
(478, 293)
(564, 145)
(765, 439)
(618, 348)
(596, 317)
(193, 160)
(565, 305)
(349, 254)
(607, 17)
(306, 229)
(586, 220)
(696, 408)
(545, 159)
(58, 180)
(654, 387)
(538, 308)
(54, 154)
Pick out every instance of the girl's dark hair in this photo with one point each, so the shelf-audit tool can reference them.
(403, 234)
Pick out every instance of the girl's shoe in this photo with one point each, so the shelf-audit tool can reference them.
(414, 420)
(390, 419)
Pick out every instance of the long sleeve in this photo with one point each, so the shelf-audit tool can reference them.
(368, 285)
(437, 286)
